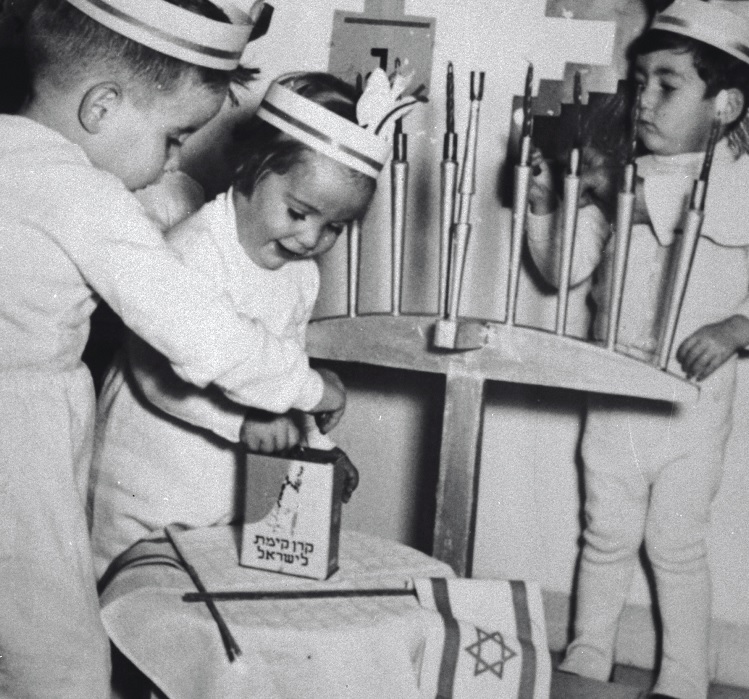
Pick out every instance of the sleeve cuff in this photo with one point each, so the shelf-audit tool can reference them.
(229, 426)
(311, 392)
(539, 226)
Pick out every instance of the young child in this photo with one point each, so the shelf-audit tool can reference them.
(117, 86)
(167, 452)
(651, 470)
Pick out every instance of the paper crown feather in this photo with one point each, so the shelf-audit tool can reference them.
(720, 23)
(364, 146)
(177, 32)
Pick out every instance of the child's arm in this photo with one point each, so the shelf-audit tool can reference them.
(544, 228)
(712, 345)
(210, 409)
(185, 315)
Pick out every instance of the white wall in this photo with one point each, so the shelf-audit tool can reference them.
(528, 519)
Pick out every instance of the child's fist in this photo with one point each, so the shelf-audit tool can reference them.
(712, 345)
(541, 195)
(268, 433)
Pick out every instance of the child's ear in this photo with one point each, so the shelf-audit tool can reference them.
(97, 104)
(732, 102)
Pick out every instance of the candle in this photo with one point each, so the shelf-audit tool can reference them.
(520, 199)
(528, 102)
(400, 141)
(450, 98)
(398, 191)
(571, 203)
(462, 229)
(630, 169)
(625, 208)
(527, 129)
(698, 195)
(448, 185)
(577, 98)
(468, 177)
(690, 237)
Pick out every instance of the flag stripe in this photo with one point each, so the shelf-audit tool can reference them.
(525, 636)
(451, 648)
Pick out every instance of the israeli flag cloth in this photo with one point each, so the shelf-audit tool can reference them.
(491, 643)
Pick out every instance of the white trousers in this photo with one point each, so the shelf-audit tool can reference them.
(651, 473)
(52, 642)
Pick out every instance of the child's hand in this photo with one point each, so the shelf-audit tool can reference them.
(598, 182)
(350, 479)
(541, 195)
(329, 410)
(712, 345)
(316, 440)
(267, 433)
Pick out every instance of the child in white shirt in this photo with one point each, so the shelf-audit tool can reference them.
(166, 451)
(117, 87)
(651, 470)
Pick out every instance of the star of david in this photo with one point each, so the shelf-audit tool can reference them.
(491, 653)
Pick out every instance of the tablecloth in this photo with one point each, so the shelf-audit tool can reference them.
(353, 648)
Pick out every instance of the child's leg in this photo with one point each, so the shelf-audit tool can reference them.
(676, 543)
(677, 550)
(52, 642)
(616, 499)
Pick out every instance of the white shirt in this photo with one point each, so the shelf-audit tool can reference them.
(70, 233)
(280, 301)
(719, 280)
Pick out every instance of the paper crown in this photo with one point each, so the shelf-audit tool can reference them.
(177, 32)
(720, 23)
(364, 146)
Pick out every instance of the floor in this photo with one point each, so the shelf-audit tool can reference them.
(629, 683)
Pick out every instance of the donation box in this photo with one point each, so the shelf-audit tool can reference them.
(292, 517)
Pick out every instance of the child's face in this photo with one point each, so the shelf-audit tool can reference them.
(144, 136)
(301, 213)
(676, 116)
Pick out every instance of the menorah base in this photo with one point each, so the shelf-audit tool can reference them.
(460, 335)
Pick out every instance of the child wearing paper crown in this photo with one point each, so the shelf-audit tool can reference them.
(651, 470)
(168, 452)
(117, 86)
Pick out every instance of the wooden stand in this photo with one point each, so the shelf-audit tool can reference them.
(484, 351)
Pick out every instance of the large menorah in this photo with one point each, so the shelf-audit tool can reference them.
(468, 351)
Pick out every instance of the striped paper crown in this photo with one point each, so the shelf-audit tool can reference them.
(363, 147)
(720, 23)
(177, 32)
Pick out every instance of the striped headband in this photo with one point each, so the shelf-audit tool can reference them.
(323, 130)
(174, 31)
(718, 23)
